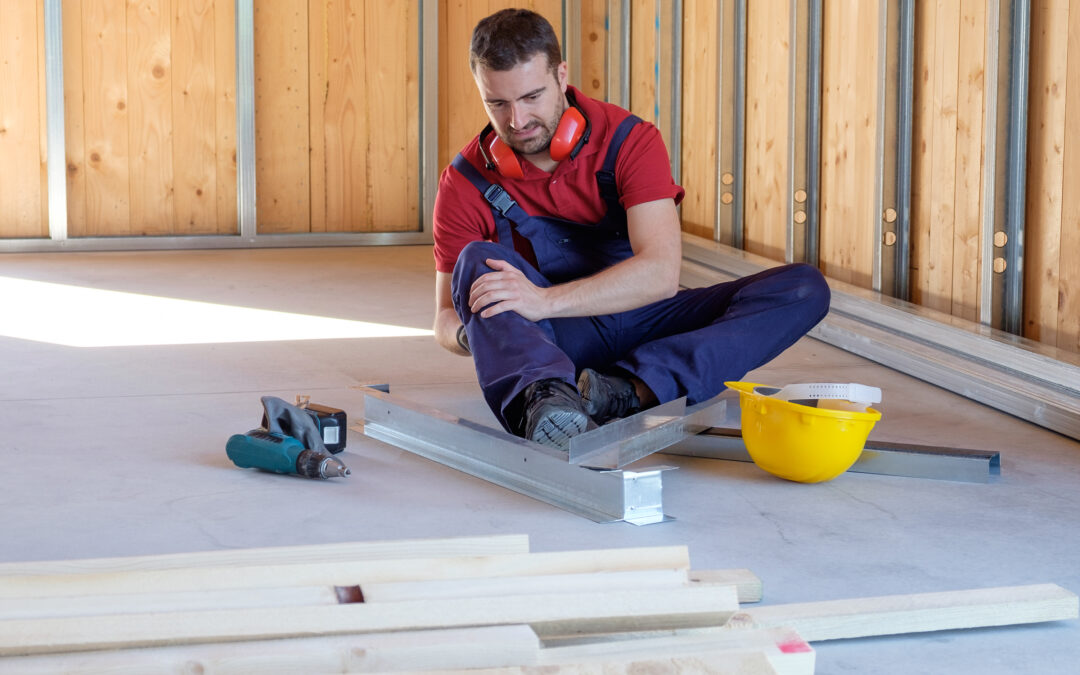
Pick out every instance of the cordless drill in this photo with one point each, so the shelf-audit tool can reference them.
(273, 451)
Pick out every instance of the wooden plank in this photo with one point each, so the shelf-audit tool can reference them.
(149, 47)
(747, 585)
(74, 122)
(699, 106)
(1068, 336)
(849, 132)
(916, 613)
(106, 118)
(1046, 142)
(282, 555)
(643, 27)
(319, 60)
(768, 81)
(457, 648)
(541, 583)
(227, 219)
(341, 573)
(138, 603)
(594, 37)
(922, 149)
(194, 108)
(599, 612)
(937, 291)
(970, 99)
(282, 132)
(715, 663)
(21, 125)
(784, 649)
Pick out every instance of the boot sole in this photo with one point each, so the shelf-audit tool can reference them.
(556, 428)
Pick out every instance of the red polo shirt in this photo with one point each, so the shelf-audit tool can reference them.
(642, 174)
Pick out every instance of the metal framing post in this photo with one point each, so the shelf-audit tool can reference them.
(813, 134)
(723, 227)
(879, 143)
(56, 152)
(571, 39)
(429, 111)
(904, 120)
(739, 186)
(1016, 170)
(991, 161)
(796, 164)
(245, 118)
(618, 52)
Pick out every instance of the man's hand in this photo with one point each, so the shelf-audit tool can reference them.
(506, 289)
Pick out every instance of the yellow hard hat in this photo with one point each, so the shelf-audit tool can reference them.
(801, 442)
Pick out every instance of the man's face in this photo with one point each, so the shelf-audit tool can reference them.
(524, 103)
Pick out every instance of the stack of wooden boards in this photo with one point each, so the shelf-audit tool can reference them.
(473, 603)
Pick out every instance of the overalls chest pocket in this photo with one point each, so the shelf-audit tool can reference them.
(574, 251)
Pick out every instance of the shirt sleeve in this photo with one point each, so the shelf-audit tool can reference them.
(460, 216)
(643, 169)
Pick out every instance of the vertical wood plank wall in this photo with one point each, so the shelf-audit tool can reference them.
(23, 198)
(768, 115)
(700, 147)
(149, 95)
(336, 116)
(948, 149)
(1052, 242)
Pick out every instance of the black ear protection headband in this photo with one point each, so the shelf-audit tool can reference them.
(570, 136)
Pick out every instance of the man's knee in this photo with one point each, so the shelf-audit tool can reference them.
(471, 263)
(810, 287)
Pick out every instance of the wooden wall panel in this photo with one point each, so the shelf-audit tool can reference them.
(1051, 246)
(1068, 320)
(282, 132)
(594, 34)
(22, 194)
(149, 96)
(370, 143)
(699, 109)
(848, 140)
(150, 114)
(461, 114)
(643, 76)
(768, 114)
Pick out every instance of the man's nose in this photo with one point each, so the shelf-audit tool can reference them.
(518, 118)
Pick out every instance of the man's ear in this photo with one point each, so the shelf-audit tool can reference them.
(561, 75)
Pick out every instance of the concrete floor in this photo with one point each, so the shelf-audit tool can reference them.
(119, 450)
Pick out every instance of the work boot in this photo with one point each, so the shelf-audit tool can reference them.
(607, 397)
(554, 413)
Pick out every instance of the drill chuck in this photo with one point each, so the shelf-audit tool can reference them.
(272, 451)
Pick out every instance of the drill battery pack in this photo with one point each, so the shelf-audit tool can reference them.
(332, 425)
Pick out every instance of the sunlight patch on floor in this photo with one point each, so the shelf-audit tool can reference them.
(77, 316)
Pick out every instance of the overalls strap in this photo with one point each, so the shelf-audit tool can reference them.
(605, 177)
(501, 203)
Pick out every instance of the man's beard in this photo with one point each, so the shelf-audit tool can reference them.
(539, 143)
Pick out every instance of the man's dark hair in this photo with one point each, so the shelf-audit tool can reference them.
(512, 36)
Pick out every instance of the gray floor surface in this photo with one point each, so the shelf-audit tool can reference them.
(119, 450)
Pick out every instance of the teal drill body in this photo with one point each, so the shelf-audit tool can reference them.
(271, 451)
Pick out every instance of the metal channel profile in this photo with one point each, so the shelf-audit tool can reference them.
(625, 441)
(515, 463)
(1035, 382)
(881, 458)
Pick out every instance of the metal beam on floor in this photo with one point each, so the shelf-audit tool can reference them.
(514, 463)
(878, 457)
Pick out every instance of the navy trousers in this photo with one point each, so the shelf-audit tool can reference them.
(688, 345)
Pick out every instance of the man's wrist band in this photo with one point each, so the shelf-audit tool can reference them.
(463, 338)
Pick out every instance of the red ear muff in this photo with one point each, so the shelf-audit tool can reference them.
(499, 156)
(569, 136)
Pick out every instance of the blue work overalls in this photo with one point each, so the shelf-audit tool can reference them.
(687, 345)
